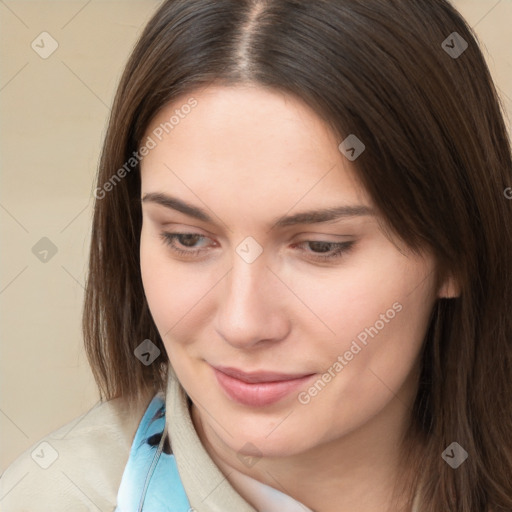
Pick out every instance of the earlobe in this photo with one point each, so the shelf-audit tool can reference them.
(449, 289)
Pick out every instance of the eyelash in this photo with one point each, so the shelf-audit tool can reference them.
(342, 247)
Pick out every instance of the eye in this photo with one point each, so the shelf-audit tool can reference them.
(322, 250)
(328, 250)
(185, 239)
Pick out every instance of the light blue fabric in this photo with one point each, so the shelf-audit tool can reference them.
(151, 482)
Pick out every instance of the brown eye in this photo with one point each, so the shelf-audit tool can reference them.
(324, 250)
(187, 240)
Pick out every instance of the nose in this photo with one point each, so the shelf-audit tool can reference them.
(252, 308)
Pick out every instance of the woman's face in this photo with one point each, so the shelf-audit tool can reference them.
(325, 319)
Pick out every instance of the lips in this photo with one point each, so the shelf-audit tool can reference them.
(258, 388)
(258, 377)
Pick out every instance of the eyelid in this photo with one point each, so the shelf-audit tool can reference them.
(340, 251)
(183, 229)
(164, 223)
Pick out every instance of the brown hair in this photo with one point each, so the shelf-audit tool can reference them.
(436, 163)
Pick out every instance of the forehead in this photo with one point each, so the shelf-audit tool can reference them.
(247, 143)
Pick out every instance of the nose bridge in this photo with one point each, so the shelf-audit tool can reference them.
(248, 283)
(248, 309)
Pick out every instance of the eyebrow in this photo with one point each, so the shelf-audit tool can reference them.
(307, 217)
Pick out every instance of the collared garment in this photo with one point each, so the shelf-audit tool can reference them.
(119, 459)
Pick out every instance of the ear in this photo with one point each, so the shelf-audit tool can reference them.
(449, 289)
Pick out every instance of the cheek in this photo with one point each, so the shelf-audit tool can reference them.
(160, 281)
(176, 291)
(153, 269)
(378, 353)
(377, 312)
(372, 290)
(385, 342)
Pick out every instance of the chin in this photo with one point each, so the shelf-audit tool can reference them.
(281, 442)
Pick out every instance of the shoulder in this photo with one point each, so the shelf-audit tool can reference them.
(77, 467)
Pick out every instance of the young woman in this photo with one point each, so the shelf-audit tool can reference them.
(301, 268)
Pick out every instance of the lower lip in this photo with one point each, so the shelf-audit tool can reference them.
(258, 394)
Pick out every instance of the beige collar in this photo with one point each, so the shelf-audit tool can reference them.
(207, 488)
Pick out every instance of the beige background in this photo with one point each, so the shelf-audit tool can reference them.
(53, 117)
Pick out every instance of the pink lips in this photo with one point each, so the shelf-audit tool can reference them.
(259, 388)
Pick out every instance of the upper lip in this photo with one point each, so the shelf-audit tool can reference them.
(260, 376)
